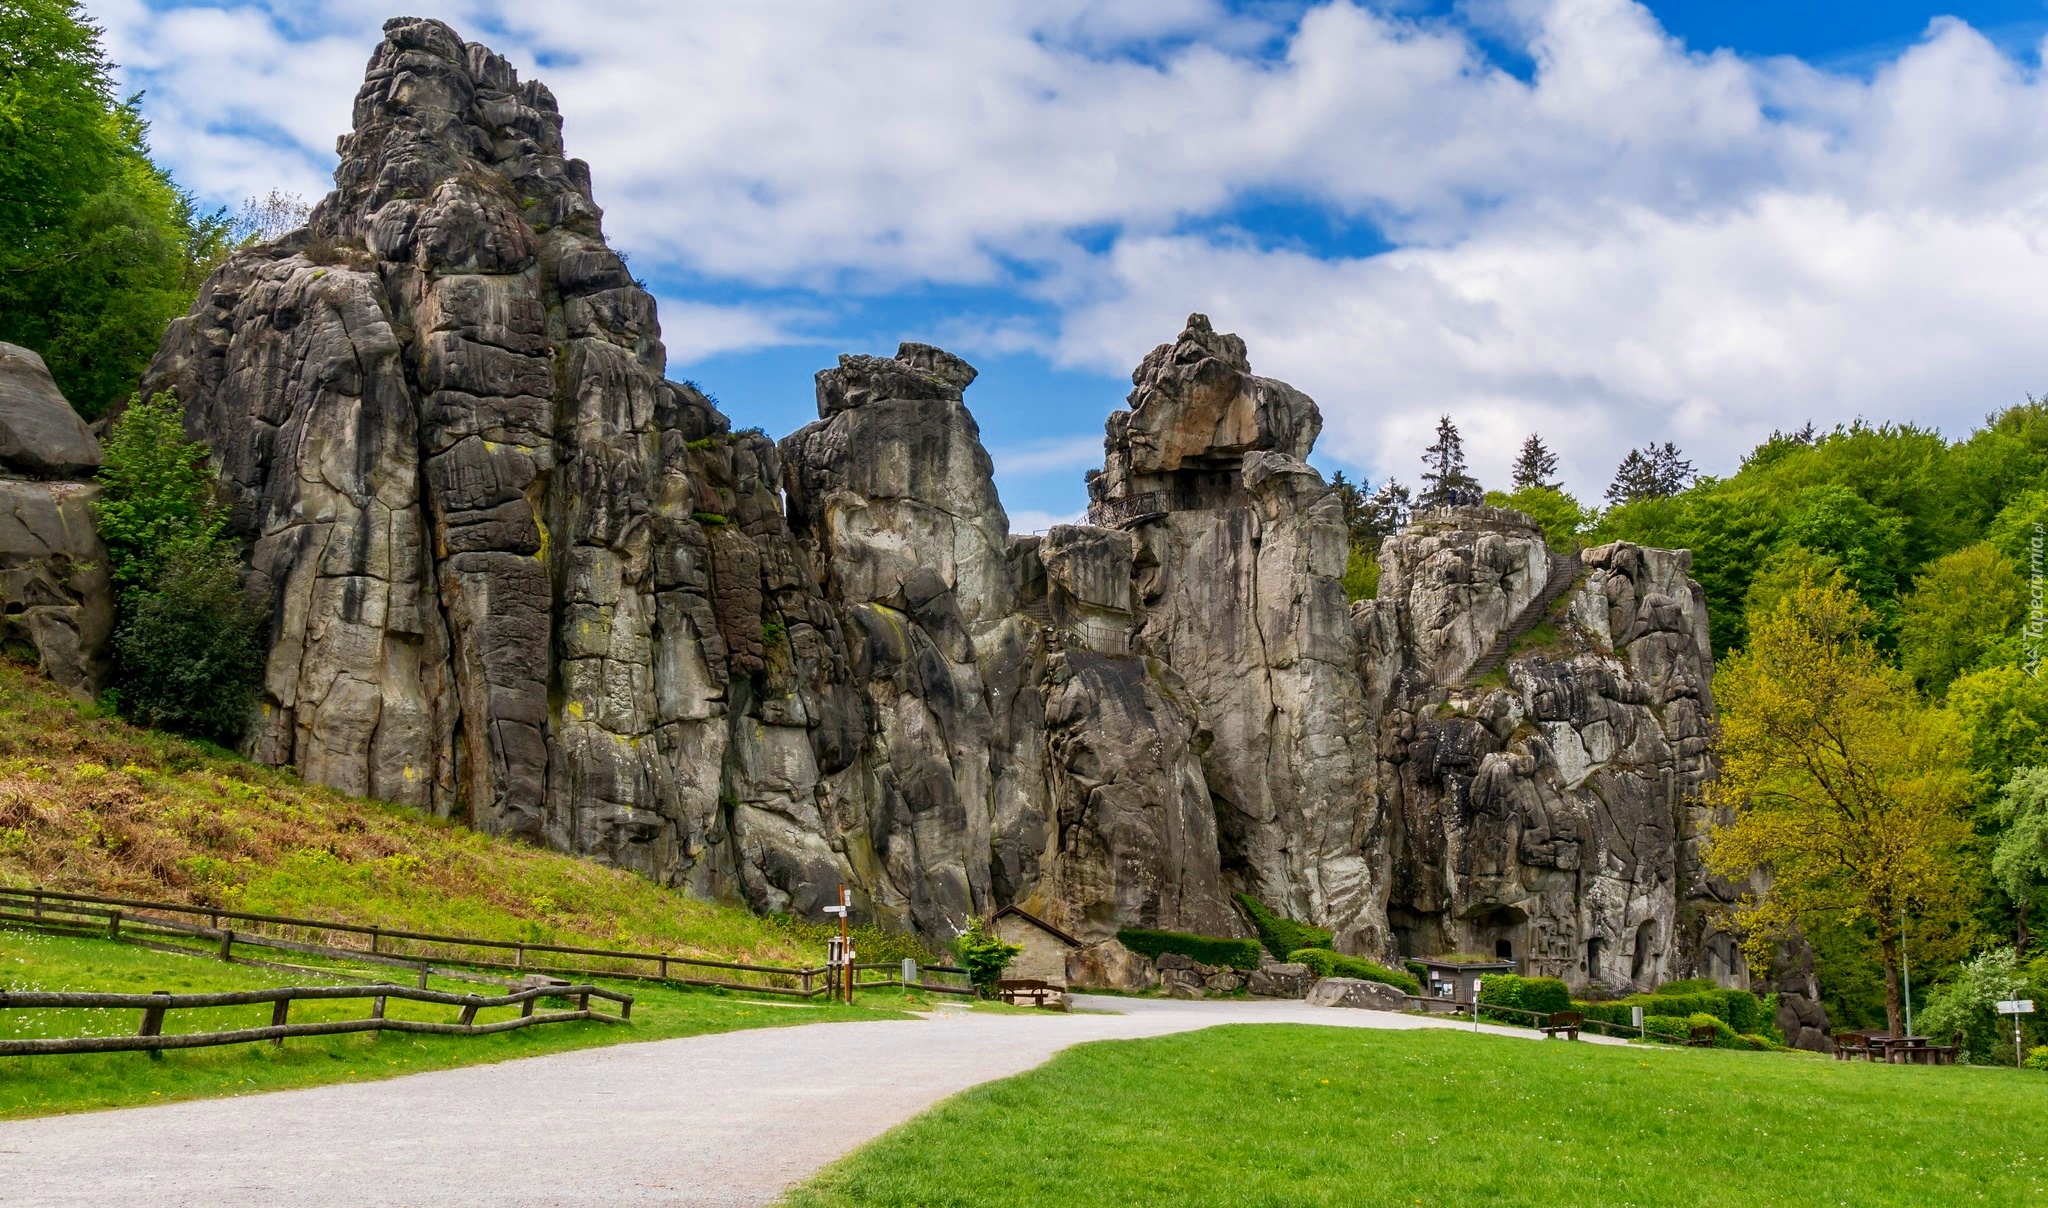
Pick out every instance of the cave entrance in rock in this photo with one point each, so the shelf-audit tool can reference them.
(1593, 947)
(1498, 929)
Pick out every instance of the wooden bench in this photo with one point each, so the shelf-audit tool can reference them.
(1031, 988)
(1702, 1037)
(1566, 1023)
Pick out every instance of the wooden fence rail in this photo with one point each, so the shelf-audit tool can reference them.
(150, 1036)
(37, 906)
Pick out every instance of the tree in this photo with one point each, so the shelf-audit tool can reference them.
(1846, 791)
(1958, 608)
(1444, 477)
(1560, 516)
(1386, 513)
(2021, 858)
(1651, 472)
(188, 650)
(985, 955)
(1535, 465)
(99, 249)
(271, 216)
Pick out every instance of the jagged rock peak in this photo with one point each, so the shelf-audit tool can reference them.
(1197, 398)
(917, 371)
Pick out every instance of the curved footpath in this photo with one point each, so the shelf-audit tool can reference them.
(728, 1119)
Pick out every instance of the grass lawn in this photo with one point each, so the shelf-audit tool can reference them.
(1281, 1114)
(41, 1086)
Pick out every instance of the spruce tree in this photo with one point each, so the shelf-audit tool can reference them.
(1535, 466)
(1444, 477)
(1651, 472)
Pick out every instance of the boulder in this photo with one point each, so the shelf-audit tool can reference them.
(54, 594)
(1355, 992)
(1280, 980)
(40, 435)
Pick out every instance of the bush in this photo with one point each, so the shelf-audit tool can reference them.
(1740, 1010)
(2038, 1059)
(1281, 935)
(1208, 949)
(1545, 995)
(985, 955)
(188, 651)
(1324, 963)
(188, 645)
(1678, 1029)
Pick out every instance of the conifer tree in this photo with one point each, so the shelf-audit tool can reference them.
(1444, 477)
(1651, 472)
(1535, 466)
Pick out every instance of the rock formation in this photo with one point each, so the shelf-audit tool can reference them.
(54, 594)
(519, 577)
(1542, 747)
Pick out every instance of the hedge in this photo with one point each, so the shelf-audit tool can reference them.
(1208, 949)
(1543, 994)
(1280, 934)
(1740, 1010)
(1324, 963)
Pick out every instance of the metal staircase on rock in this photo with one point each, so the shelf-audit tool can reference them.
(1564, 571)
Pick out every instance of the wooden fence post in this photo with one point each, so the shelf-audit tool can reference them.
(375, 935)
(279, 1012)
(227, 944)
(114, 925)
(520, 959)
(377, 1007)
(153, 1024)
(423, 977)
(468, 1013)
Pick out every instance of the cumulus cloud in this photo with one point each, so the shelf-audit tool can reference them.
(1635, 240)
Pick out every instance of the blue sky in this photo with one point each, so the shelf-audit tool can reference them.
(1606, 223)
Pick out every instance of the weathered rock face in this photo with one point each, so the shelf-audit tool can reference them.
(1240, 550)
(1543, 742)
(54, 594)
(519, 577)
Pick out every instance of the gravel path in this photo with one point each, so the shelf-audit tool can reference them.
(728, 1119)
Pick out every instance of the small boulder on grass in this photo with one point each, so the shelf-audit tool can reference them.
(1356, 992)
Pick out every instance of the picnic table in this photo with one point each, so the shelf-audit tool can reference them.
(1037, 991)
(1875, 1045)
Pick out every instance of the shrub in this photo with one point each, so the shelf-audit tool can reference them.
(2038, 1059)
(1678, 1028)
(188, 649)
(1280, 934)
(1208, 949)
(1324, 963)
(1691, 985)
(1544, 994)
(985, 955)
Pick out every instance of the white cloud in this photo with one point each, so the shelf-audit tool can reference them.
(1040, 457)
(693, 331)
(1638, 241)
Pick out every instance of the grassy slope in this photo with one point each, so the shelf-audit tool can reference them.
(1300, 1115)
(93, 805)
(38, 1086)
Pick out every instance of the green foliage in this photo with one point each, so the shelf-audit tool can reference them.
(1958, 609)
(1737, 1010)
(1563, 519)
(2038, 1059)
(985, 955)
(708, 518)
(1281, 935)
(1965, 1004)
(1543, 994)
(1324, 963)
(187, 642)
(99, 249)
(1209, 950)
(1361, 575)
(1678, 1029)
(2020, 860)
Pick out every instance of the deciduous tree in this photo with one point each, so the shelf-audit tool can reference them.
(1844, 787)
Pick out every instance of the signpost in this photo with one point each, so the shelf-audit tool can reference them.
(2016, 1007)
(841, 954)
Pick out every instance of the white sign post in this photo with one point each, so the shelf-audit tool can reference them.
(2016, 1007)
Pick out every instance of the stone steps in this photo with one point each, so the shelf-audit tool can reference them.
(1564, 571)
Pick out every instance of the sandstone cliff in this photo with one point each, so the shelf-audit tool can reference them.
(520, 577)
(55, 599)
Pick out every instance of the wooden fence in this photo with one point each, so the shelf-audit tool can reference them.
(120, 917)
(151, 1037)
